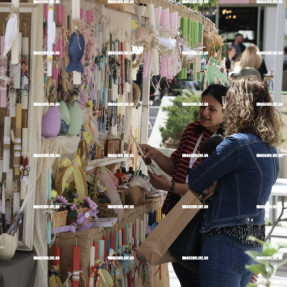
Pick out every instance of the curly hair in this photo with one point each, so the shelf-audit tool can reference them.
(244, 113)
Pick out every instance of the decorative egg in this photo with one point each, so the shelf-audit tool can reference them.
(76, 118)
(8, 246)
(51, 122)
(65, 118)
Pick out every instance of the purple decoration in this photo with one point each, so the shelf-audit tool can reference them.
(51, 122)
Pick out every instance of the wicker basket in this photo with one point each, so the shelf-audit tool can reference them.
(59, 219)
(135, 195)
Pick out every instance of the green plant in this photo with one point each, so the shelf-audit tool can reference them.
(264, 266)
(200, 4)
(179, 116)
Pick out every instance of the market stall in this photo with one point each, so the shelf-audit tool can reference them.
(75, 176)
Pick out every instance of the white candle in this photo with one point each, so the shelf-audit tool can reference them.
(15, 47)
(137, 229)
(23, 190)
(92, 263)
(3, 199)
(25, 46)
(8, 213)
(20, 45)
(16, 202)
(77, 78)
(76, 8)
(158, 16)
(131, 232)
(175, 22)
(7, 140)
(24, 100)
(142, 231)
(151, 14)
(50, 39)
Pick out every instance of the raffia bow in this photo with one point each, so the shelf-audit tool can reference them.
(74, 167)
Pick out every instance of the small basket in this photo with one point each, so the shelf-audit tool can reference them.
(135, 195)
(59, 219)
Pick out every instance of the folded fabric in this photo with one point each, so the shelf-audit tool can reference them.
(11, 33)
(76, 51)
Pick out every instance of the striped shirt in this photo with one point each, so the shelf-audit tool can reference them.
(186, 146)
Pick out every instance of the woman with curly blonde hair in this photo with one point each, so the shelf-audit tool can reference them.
(245, 166)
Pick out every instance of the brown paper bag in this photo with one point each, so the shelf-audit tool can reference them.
(155, 247)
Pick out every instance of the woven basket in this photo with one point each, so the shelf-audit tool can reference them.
(103, 209)
(59, 219)
(135, 196)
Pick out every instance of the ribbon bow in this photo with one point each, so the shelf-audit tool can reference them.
(74, 167)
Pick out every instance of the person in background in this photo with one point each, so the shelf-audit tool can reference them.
(285, 58)
(230, 54)
(251, 58)
(238, 44)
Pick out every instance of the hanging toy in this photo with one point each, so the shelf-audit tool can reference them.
(25, 168)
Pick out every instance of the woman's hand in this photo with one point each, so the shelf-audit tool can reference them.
(149, 151)
(159, 181)
(254, 278)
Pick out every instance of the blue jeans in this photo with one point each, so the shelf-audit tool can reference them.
(226, 262)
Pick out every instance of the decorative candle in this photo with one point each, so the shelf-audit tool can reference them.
(159, 11)
(171, 23)
(46, 8)
(96, 244)
(6, 144)
(124, 236)
(76, 266)
(2, 44)
(16, 202)
(147, 64)
(108, 245)
(76, 8)
(127, 233)
(175, 22)
(57, 261)
(3, 209)
(3, 98)
(120, 239)
(92, 263)
(82, 15)
(137, 229)
(105, 247)
(142, 231)
(60, 19)
(101, 249)
(50, 39)
(116, 242)
(164, 19)
(49, 183)
(163, 66)
(151, 14)
(113, 241)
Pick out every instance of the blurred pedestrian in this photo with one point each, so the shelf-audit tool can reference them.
(238, 44)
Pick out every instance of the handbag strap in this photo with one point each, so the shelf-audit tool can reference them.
(275, 169)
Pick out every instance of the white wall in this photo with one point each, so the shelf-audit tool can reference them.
(269, 35)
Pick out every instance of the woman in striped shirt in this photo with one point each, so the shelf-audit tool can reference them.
(177, 165)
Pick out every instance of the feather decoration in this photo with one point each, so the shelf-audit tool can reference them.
(11, 33)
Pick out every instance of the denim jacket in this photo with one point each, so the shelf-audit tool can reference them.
(244, 181)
